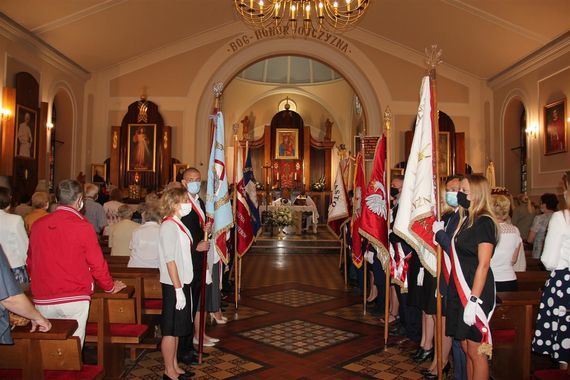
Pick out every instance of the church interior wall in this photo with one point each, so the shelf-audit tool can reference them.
(536, 88)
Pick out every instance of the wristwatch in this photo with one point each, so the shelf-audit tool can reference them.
(475, 300)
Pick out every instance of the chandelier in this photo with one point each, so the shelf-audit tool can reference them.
(334, 16)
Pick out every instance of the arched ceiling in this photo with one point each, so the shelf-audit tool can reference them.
(289, 70)
(481, 37)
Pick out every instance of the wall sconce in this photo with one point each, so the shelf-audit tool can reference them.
(49, 125)
(5, 113)
(532, 130)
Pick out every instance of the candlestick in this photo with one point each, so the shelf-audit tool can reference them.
(278, 176)
(295, 176)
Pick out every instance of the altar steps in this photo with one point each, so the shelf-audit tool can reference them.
(323, 242)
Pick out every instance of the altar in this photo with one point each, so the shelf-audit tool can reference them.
(297, 212)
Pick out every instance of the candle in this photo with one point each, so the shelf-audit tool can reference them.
(307, 11)
(268, 180)
(320, 9)
(295, 176)
(293, 11)
(278, 176)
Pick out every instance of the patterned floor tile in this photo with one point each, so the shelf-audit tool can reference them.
(244, 312)
(299, 337)
(219, 365)
(294, 297)
(394, 363)
(354, 313)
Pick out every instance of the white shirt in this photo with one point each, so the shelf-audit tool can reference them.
(501, 263)
(556, 252)
(174, 245)
(144, 246)
(14, 239)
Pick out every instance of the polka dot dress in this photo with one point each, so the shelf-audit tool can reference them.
(552, 335)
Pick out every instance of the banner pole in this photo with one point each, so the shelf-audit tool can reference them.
(234, 196)
(365, 282)
(433, 59)
(388, 173)
(217, 88)
(344, 257)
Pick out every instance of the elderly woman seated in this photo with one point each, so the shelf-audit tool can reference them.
(121, 233)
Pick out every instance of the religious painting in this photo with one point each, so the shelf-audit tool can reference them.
(141, 147)
(444, 156)
(555, 127)
(98, 173)
(178, 171)
(286, 144)
(26, 123)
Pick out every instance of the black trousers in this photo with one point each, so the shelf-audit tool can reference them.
(410, 317)
(185, 345)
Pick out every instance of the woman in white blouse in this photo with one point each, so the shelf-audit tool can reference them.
(13, 239)
(552, 335)
(508, 249)
(176, 273)
(144, 244)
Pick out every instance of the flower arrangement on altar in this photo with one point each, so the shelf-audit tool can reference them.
(282, 217)
(319, 185)
(259, 186)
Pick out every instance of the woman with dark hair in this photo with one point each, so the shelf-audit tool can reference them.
(548, 204)
(552, 335)
(471, 295)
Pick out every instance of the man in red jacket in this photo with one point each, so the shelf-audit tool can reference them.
(64, 257)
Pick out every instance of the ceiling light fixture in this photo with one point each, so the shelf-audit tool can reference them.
(333, 16)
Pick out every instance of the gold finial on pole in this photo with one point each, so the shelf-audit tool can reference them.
(218, 89)
(433, 59)
(388, 118)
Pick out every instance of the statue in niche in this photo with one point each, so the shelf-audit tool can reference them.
(245, 131)
(328, 129)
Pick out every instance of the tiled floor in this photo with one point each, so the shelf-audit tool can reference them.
(295, 320)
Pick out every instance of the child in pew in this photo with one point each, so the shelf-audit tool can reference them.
(552, 335)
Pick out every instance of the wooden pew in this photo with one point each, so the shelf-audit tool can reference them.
(151, 287)
(532, 280)
(117, 260)
(533, 264)
(112, 324)
(512, 329)
(52, 354)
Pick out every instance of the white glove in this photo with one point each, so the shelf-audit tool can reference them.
(437, 226)
(208, 277)
(180, 299)
(470, 311)
(369, 256)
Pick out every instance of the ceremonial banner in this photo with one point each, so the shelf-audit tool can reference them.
(418, 201)
(218, 206)
(357, 206)
(243, 216)
(338, 209)
(251, 194)
(374, 225)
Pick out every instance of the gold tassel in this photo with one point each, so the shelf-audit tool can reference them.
(486, 348)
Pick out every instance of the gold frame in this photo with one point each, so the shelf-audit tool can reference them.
(93, 171)
(371, 151)
(130, 142)
(33, 125)
(176, 167)
(281, 131)
(444, 166)
(548, 109)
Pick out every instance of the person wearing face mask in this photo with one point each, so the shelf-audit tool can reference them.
(197, 224)
(176, 274)
(40, 203)
(444, 230)
(64, 257)
(552, 335)
(471, 293)
(548, 204)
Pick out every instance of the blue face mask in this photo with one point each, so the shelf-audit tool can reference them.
(451, 198)
(193, 187)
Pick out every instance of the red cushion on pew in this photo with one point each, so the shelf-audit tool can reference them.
(87, 372)
(152, 304)
(551, 374)
(503, 336)
(119, 329)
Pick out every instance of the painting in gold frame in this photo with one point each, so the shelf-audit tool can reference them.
(141, 147)
(555, 127)
(98, 173)
(178, 171)
(444, 156)
(286, 144)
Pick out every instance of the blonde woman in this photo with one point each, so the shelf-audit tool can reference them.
(471, 294)
(176, 273)
(509, 248)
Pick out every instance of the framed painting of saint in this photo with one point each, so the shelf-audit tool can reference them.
(98, 173)
(555, 127)
(26, 123)
(141, 152)
(444, 156)
(286, 144)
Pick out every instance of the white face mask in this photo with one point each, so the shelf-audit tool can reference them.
(566, 197)
(81, 204)
(185, 209)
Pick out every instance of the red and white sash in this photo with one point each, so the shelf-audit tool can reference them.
(198, 210)
(481, 320)
(182, 228)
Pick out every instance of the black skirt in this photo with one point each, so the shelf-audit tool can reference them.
(175, 322)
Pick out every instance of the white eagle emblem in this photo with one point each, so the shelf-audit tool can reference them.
(376, 202)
